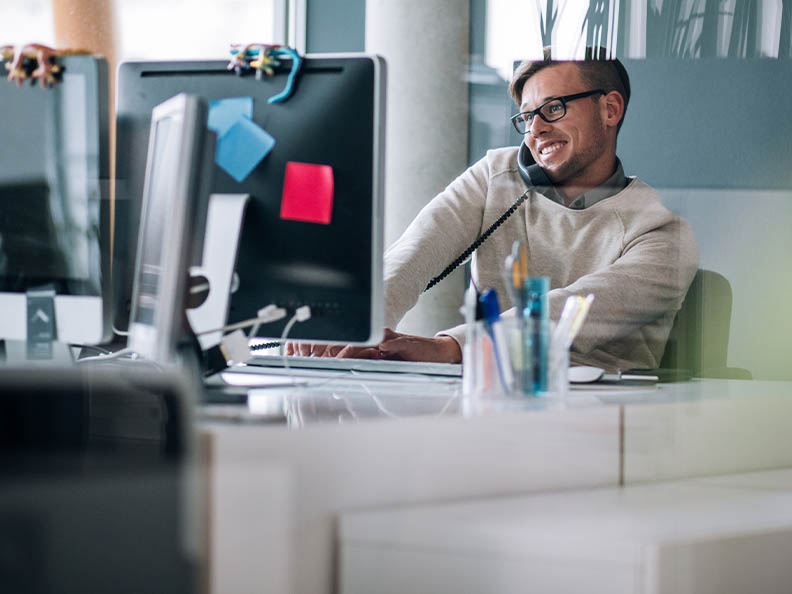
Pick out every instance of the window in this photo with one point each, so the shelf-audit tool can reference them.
(172, 30)
(190, 29)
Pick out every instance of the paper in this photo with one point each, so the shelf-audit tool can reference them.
(224, 113)
(307, 193)
(242, 147)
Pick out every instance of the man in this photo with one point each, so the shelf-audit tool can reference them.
(593, 230)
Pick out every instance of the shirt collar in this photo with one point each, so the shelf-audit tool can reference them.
(610, 187)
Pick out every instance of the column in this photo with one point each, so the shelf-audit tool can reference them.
(425, 45)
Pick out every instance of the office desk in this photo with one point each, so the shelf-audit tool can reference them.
(730, 534)
(277, 490)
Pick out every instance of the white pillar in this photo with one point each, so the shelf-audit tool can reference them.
(425, 45)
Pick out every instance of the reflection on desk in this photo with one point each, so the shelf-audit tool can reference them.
(336, 398)
(309, 397)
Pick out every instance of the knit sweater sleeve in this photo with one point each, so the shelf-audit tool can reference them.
(648, 281)
(439, 233)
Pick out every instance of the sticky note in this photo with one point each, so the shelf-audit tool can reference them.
(307, 193)
(224, 113)
(242, 147)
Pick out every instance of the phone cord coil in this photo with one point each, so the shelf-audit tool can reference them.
(475, 245)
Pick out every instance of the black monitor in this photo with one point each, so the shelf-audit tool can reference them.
(335, 119)
(54, 207)
(173, 197)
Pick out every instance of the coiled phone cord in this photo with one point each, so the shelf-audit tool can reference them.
(475, 245)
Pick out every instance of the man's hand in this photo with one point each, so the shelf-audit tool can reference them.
(401, 347)
(404, 347)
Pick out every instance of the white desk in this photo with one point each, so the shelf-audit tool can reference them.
(728, 535)
(276, 491)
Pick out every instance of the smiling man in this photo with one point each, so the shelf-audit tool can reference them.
(588, 227)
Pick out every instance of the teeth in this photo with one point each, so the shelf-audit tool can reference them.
(552, 148)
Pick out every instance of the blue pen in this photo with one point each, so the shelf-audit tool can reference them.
(491, 310)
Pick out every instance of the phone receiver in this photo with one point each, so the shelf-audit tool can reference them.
(534, 176)
(531, 173)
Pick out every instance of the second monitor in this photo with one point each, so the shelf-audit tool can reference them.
(328, 153)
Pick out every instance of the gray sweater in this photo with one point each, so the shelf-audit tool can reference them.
(636, 257)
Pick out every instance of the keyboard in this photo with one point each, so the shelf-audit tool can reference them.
(363, 365)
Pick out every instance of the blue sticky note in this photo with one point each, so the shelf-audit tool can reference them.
(242, 148)
(224, 113)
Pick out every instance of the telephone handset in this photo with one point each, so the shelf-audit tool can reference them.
(534, 176)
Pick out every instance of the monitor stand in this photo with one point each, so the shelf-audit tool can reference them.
(17, 353)
(221, 240)
(41, 346)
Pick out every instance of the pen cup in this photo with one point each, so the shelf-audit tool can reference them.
(500, 362)
(558, 370)
(490, 367)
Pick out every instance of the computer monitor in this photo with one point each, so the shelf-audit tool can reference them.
(54, 206)
(335, 118)
(172, 195)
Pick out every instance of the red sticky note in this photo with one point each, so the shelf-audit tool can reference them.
(307, 193)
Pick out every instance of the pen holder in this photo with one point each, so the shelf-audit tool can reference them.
(500, 361)
(558, 370)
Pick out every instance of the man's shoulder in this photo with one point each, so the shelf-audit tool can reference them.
(501, 160)
(638, 190)
(643, 206)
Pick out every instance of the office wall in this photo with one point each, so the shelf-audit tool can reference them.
(714, 136)
(335, 25)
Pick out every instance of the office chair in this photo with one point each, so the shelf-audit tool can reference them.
(698, 344)
(92, 482)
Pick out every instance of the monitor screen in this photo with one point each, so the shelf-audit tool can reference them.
(171, 199)
(330, 132)
(54, 211)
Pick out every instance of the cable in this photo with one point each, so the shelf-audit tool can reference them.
(302, 314)
(474, 246)
(264, 345)
(108, 357)
(92, 347)
(266, 315)
(119, 332)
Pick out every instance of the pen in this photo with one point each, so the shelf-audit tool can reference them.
(469, 353)
(491, 309)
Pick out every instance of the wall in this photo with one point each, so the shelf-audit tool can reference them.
(335, 26)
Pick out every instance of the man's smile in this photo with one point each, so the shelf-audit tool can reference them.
(547, 149)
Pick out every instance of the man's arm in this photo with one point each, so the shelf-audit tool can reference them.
(648, 281)
(439, 233)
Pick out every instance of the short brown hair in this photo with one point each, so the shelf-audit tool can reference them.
(596, 70)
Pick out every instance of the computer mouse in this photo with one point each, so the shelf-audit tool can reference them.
(584, 374)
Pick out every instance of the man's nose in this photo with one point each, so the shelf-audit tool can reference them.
(538, 126)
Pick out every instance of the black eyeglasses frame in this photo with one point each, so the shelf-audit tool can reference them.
(564, 99)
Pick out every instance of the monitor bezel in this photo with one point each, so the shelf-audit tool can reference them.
(80, 319)
(131, 72)
(157, 341)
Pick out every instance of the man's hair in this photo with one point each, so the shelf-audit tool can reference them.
(596, 70)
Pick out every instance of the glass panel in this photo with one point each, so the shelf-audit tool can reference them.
(698, 69)
(186, 29)
(25, 22)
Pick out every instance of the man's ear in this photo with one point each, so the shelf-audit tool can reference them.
(613, 110)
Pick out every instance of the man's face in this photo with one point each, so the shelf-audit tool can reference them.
(575, 150)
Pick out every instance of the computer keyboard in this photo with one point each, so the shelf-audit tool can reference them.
(363, 365)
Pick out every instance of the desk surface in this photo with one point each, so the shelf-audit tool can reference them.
(277, 491)
(342, 397)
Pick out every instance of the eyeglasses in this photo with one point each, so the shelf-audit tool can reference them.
(551, 110)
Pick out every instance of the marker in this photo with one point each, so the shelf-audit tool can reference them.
(491, 310)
